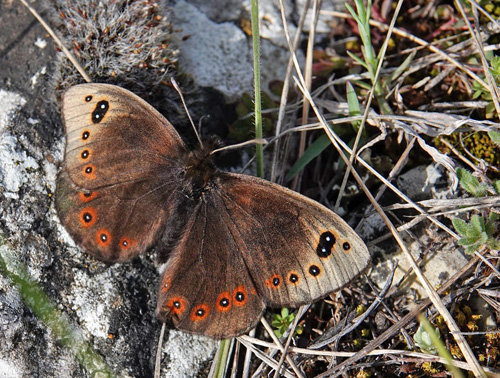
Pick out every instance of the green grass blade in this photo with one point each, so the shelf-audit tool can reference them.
(223, 355)
(440, 347)
(256, 69)
(318, 146)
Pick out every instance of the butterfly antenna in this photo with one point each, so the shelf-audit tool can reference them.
(239, 145)
(176, 86)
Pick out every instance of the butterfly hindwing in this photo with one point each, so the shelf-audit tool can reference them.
(206, 287)
(281, 248)
(107, 225)
(296, 250)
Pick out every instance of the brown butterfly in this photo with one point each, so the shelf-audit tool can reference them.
(233, 243)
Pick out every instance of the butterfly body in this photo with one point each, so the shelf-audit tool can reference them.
(233, 244)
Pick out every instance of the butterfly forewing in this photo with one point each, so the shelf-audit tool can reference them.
(122, 163)
(107, 128)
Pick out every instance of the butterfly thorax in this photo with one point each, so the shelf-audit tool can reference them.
(200, 172)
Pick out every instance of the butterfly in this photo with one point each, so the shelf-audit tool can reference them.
(232, 244)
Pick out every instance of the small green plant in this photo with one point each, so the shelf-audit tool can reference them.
(244, 128)
(478, 231)
(427, 338)
(482, 92)
(362, 16)
(495, 67)
(424, 339)
(495, 137)
(471, 184)
(282, 321)
(323, 142)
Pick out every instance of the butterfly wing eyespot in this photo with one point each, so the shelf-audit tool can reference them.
(103, 237)
(100, 111)
(314, 270)
(166, 284)
(240, 296)
(177, 305)
(85, 154)
(88, 217)
(126, 243)
(223, 302)
(325, 244)
(89, 172)
(274, 281)
(87, 196)
(200, 312)
(294, 278)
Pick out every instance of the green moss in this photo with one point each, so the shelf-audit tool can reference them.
(477, 144)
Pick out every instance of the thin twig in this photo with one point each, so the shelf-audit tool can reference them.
(58, 42)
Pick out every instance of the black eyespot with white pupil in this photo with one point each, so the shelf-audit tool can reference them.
(88, 170)
(276, 281)
(104, 238)
(346, 246)
(177, 304)
(125, 243)
(200, 312)
(240, 297)
(100, 110)
(85, 154)
(224, 302)
(326, 242)
(88, 98)
(293, 278)
(87, 217)
(85, 135)
(314, 270)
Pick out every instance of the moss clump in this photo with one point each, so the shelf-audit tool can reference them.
(120, 42)
(477, 144)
